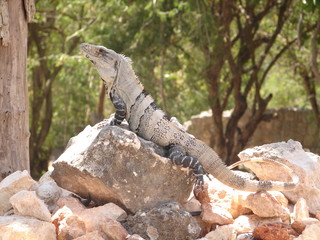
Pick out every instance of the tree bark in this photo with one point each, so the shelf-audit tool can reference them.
(14, 114)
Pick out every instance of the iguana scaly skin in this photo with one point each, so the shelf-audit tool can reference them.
(134, 104)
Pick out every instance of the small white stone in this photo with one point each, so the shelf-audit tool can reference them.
(12, 184)
(19, 227)
(225, 232)
(301, 210)
(247, 223)
(26, 203)
(49, 192)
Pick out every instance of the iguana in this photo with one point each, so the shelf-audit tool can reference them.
(148, 121)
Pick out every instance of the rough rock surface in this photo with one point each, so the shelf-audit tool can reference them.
(312, 232)
(300, 225)
(215, 214)
(167, 221)
(67, 224)
(74, 220)
(227, 214)
(49, 192)
(113, 230)
(134, 237)
(26, 203)
(272, 231)
(246, 236)
(90, 236)
(72, 225)
(101, 213)
(192, 205)
(111, 164)
(12, 184)
(247, 223)
(225, 232)
(305, 164)
(300, 210)
(265, 204)
(222, 196)
(19, 227)
(96, 214)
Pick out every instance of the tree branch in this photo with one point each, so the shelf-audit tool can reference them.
(274, 60)
(281, 20)
(76, 33)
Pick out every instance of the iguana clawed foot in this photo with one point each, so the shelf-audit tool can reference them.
(199, 184)
(179, 157)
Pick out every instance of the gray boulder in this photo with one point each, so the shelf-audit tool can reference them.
(168, 221)
(112, 164)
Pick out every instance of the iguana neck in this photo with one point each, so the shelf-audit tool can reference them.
(126, 84)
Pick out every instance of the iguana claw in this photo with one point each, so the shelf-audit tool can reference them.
(114, 122)
(199, 183)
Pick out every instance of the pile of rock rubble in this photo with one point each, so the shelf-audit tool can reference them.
(100, 199)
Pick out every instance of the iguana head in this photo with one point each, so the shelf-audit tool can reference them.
(105, 60)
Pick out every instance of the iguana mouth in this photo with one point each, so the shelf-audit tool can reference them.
(85, 49)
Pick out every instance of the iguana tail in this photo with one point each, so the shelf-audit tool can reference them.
(213, 164)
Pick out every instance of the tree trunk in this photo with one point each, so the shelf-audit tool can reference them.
(14, 114)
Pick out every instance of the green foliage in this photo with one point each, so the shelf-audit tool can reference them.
(286, 88)
(310, 5)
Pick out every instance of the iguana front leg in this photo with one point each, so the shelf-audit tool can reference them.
(179, 157)
(120, 107)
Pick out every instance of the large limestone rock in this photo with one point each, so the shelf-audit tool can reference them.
(18, 227)
(15, 182)
(305, 164)
(168, 221)
(112, 164)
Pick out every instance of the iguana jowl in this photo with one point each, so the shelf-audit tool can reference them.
(134, 104)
